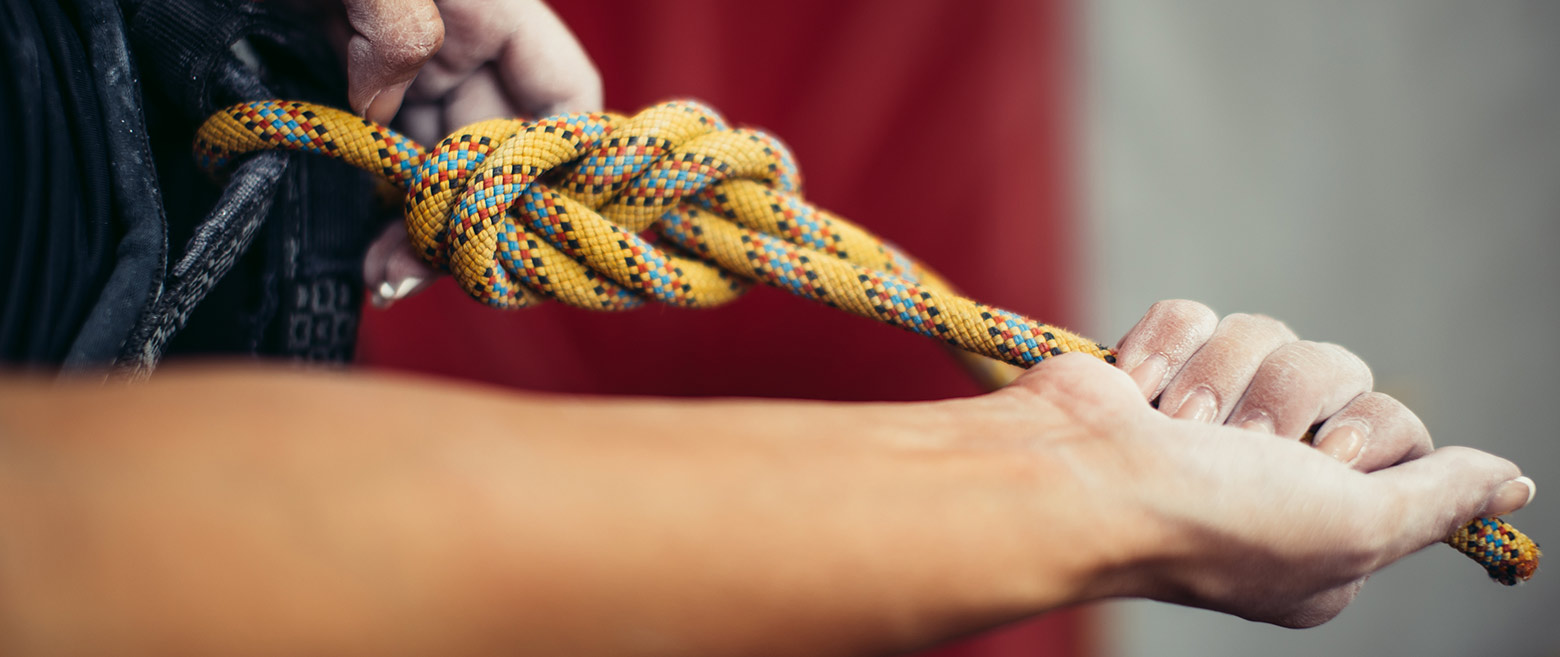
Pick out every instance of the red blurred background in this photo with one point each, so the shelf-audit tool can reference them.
(942, 125)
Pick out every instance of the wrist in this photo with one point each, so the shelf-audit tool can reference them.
(1073, 477)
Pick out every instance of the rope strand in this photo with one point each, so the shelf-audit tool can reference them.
(519, 212)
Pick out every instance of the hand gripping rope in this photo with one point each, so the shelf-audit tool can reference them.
(560, 209)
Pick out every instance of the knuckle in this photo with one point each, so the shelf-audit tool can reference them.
(559, 91)
(1457, 457)
(1307, 360)
(1080, 385)
(1181, 317)
(1174, 328)
(590, 79)
(1256, 325)
(412, 43)
(1347, 360)
(1468, 464)
(1374, 404)
(1287, 364)
(1184, 312)
(1382, 408)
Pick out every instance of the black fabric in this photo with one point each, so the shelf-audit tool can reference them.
(217, 244)
(296, 292)
(136, 279)
(57, 231)
(116, 249)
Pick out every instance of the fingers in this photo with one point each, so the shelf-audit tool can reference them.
(478, 30)
(1167, 336)
(500, 52)
(504, 58)
(1372, 432)
(1079, 391)
(1250, 371)
(1432, 496)
(1299, 384)
(423, 122)
(1076, 376)
(545, 68)
(540, 67)
(391, 271)
(1213, 380)
(480, 96)
(391, 41)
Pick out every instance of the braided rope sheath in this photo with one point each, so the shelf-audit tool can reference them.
(1507, 554)
(602, 211)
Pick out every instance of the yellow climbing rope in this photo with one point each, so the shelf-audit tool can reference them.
(604, 211)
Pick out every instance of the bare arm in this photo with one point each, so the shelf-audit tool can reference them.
(255, 510)
(258, 512)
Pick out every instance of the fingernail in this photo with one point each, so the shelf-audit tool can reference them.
(1258, 421)
(1343, 443)
(1200, 405)
(370, 102)
(406, 287)
(1150, 373)
(386, 102)
(384, 296)
(1511, 496)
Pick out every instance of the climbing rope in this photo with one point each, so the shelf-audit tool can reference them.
(603, 212)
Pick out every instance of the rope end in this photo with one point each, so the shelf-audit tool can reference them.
(1508, 555)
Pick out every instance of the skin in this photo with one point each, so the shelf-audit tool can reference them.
(434, 67)
(237, 510)
(1252, 372)
(241, 510)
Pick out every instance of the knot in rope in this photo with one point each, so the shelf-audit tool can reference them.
(556, 208)
(602, 211)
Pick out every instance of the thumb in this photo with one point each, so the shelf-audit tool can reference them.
(1081, 378)
(391, 41)
(1445, 489)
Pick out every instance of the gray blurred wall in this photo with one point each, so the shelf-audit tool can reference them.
(1385, 175)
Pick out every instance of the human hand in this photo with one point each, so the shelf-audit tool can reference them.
(1253, 372)
(1065, 486)
(1242, 521)
(435, 67)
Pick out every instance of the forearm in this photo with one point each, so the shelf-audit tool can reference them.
(459, 520)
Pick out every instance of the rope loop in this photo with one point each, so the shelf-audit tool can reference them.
(602, 211)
